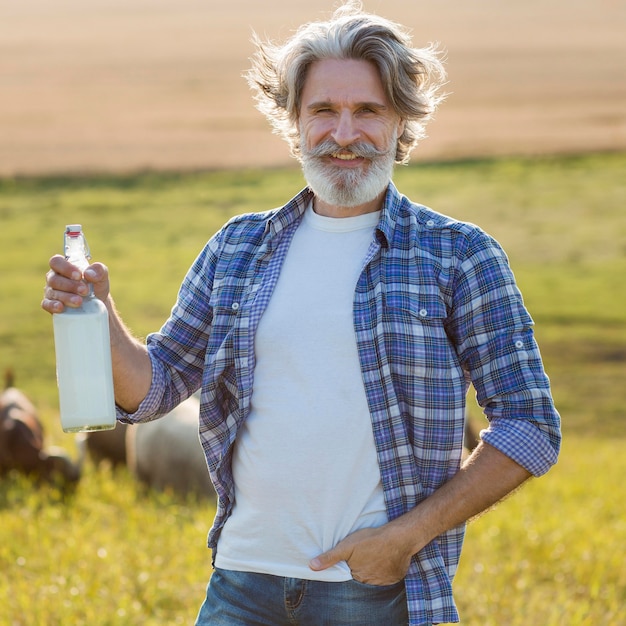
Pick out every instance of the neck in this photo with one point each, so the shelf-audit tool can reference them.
(331, 210)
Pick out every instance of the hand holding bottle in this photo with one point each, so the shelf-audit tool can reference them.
(67, 285)
(67, 288)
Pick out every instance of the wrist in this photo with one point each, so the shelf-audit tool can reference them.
(406, 534)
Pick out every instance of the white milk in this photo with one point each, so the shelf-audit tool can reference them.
(84, 372)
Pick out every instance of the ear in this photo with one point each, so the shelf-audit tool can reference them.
(400, 129)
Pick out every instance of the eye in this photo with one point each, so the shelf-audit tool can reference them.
(321, 107)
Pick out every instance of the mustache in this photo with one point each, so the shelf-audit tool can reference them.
(359, 149)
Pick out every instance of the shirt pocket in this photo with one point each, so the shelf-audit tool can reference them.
(414, 327)
(426, 307)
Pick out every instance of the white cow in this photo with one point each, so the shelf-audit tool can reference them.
(166, 453)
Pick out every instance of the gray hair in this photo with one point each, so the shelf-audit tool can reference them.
(412, 77)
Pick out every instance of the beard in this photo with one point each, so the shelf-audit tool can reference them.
(345, 187)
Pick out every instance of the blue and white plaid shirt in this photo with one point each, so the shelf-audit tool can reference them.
(435, 308)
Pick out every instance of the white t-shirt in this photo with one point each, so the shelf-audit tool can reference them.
(305, 467)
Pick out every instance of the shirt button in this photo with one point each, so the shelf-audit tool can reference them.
(423, 313)
(430, 223)
(235, 306)
(519, 344)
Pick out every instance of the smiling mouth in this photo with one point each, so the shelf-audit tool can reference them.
(342, 156)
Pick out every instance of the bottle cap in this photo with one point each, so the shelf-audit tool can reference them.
(75, 246)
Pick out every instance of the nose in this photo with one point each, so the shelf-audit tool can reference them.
(345, 131)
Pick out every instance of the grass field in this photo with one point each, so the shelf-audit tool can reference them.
(551, 555)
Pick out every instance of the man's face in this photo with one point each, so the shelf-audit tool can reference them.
(348, 134)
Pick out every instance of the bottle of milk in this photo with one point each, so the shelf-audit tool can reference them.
(83, 353)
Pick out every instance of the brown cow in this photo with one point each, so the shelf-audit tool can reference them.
(22, 441)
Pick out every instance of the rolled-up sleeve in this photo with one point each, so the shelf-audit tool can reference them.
(150, 405)
(531, 447)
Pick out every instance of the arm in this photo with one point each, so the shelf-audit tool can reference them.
(132, 370)
(381, 556)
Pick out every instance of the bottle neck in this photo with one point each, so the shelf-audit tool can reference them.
(76, 248)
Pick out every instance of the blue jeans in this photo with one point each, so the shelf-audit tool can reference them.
(247, 599)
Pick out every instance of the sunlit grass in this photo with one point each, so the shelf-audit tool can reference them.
(106, 555)
(553, 553)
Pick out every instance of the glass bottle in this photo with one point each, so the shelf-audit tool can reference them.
(83, 353)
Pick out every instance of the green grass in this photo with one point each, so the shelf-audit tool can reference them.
(108, 555)
(552, 554)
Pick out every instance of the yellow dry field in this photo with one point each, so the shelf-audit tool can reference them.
(88, 85)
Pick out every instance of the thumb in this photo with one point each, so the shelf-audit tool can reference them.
(327, 559)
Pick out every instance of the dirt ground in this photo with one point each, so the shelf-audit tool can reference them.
(130, 84)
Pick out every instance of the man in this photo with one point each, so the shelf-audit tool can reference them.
(334, 340)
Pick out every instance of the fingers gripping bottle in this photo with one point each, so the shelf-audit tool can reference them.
(83, 353)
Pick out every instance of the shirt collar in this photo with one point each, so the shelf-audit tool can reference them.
(295, 208)
(389, 215)
(288, 214)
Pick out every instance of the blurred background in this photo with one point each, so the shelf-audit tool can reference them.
(119, 85)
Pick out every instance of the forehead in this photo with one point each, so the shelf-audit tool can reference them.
(343, 80)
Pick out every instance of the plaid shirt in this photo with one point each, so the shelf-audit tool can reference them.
(435, 308)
